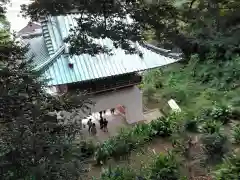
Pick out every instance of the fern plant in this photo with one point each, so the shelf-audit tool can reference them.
(229, 169)
(211, 127)
(215, 146)
(165, 167)
(236, 134)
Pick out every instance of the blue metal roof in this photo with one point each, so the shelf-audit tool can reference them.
(37, 49)
(86, 67)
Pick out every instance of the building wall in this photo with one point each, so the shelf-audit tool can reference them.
(130, 97)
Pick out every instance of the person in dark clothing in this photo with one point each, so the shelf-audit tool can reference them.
(94, 129)
(100, 113)
(89, 123)
(104, 112)
(112, 110)
(101, 122)
(105, 123)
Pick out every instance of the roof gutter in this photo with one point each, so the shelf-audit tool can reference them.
(52, 58)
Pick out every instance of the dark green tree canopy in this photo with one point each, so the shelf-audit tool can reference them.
(98, 19)
(193, 26)
(34, 143)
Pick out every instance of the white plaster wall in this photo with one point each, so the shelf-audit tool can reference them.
(130, 97)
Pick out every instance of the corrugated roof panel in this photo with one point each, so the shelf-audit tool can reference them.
(38, 49)
(99, 66)
(87, 67)
(63, 68)
(87, 70)
(82, 69)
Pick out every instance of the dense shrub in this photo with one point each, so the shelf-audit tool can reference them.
(162, 126)
(165, 167)
(221, 113)
(236, 114)
(236, 134)
(215, 146)
(211, 127)
(87, 148)
(191, 125)
(179, 95)
(129, 139)
(230, 169)
(148, 92)
(119, 173)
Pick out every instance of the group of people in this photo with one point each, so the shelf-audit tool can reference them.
(103, 123)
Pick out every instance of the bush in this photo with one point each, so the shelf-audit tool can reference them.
(230, 169)
(221, 113)
(148, 92)
(211, 127)
(129, 139)
(236, 114)
(162, 126)
(118, 173)
(191, 125)
(215, 146)
(165, 167)
(103, 152)
(180, 96)
(87, 148)
(236, 134)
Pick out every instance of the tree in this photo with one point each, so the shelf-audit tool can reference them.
(98, 19)
(186, 25)
(33, 143)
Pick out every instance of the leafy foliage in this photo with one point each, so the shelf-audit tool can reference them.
(215, 147)
(191, 125)
(148, 92)
(34, 144)
(98, 19)
(119, 173)
(185, 25)
(221, 113)
(153, 77)
(190, 122)
(87, 149)
(206, 32)
(165, 167)
(236, 134)
(230, 168)
(129, 139)
(211, 127)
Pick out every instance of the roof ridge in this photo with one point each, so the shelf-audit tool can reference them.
(51, 59)
(46, 35)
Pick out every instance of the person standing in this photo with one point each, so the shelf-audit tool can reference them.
(100, 113)
(89, 123)
(94, 129)
(101, 122)
(105, 123)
